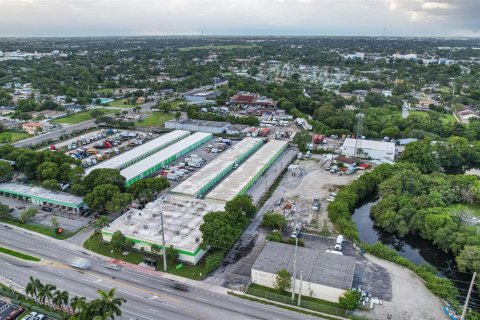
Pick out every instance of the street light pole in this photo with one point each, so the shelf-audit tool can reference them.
(294, 270)
(300, 289)
(465, 307)
(163, 244)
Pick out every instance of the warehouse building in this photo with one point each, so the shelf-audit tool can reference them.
(42, 196)
(198, 125)
(156, 161)
(200, 182)
(133, 156)
(248, 173)
(182, 217)
(324, 275)
(377, 150)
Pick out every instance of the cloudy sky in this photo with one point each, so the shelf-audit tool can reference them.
(239, 17)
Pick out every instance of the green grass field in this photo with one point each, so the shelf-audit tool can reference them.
(95, 244)
(81, 116)
(19, 255)
(157, 119)
(39, 228)
(119, 104)
(224, 47)
(446, 117)
(13, 136)
(104, 90)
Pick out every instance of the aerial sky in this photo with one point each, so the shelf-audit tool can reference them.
(444, 18)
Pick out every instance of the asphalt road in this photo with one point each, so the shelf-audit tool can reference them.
(149, 295)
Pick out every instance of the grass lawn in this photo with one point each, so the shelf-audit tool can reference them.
(95, 244)
(17, 254)
(104, 90)
(81, 116)
(119, 104)
(445, 117)
(40, 228)
(13, 136)
(221, 47)
(157, 119)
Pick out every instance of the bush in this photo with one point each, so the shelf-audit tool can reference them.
(350, 300)
(274, 236)
(214, 260)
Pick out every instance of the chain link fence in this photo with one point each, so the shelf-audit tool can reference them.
(304, 304)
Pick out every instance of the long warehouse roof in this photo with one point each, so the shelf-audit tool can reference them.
(147, 163)
(41, 193)
(234, 183)
(118, 161)
(208, 173)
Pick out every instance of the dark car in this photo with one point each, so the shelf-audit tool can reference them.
(15, 313)
(47, 209)
(178, 285)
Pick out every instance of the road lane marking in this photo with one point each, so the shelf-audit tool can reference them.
(168, 305)
(202, 299)
(238, 309)
(137, 315)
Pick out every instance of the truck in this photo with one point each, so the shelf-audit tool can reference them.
(195, 164)
(300, 156)
(339, 242)
(80, 263)
(296, 230)
(318, 138)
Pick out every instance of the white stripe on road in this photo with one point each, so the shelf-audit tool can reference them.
(168, 305)
(137, 315)
(202, 299)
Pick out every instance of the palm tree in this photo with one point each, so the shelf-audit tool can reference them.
(32, 287)
(47, 292)
(77, 303)
(108, 303)
(100, 223)
(60, 298)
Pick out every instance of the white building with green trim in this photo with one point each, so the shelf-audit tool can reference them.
(156, 161)
(201, 181)
(182, 219)
(42, 196)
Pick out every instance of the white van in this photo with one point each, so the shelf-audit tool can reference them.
(338, 244)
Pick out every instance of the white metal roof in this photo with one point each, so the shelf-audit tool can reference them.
(198, 180)
(41, 193)
(234, 183)
(116, 162)
(370, 144)
(162, 155)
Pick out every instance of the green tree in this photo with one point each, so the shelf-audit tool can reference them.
(118, 202)
(422, 154)
(28, 214)
(283, 281)
(95, 113)
(100, 223)
(469, 259)
(147, 190)
(46, 293)
(242, 204)
(51, 184)
(118, 240)
(104, 176)
(33, 287)
(47, 170)
(349, 300)
(301, 139)
(55, 224)
(108, 303)
(274, 220)
(172, 254)
(4, 211)
(274, 236)
(178, 115)
(100, 196)
(6, 171)
(219, 230)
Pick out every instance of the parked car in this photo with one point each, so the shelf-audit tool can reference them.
(15, 313)
(47, 209)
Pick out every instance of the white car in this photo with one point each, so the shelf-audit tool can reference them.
(113, 266)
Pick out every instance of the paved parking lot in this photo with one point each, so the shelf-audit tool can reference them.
(5, 309)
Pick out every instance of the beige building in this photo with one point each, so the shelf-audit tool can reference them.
(325, 275)
(33, 127)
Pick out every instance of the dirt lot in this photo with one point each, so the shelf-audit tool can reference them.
(411, 299)
(314, 182)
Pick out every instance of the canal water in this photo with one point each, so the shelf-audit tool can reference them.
(414, 248)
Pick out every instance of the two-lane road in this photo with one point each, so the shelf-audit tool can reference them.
(149, 296)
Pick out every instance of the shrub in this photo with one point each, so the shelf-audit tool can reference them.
(350, 300)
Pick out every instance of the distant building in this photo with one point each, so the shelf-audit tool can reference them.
(34, 127)
(378, 150)
(72, 108)
(355, 56)
(4, 110)
(47, 114)
(199, 97)
(252, 99)
(198, 125)
(9, 124)
(326, 275)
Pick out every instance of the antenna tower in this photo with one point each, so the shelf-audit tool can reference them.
(358, 141)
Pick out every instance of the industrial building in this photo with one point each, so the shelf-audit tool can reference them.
(200, 182)
(198, 125)
(248, 173)
(156, 161)
(182, 217)
(133, 156)
(377, 150)
(325, 275)
(42, 196)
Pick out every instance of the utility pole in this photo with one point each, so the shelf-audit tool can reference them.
(300, 289)
(163, 244)
(294, 271)
(464, 312)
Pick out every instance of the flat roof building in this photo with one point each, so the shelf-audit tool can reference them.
(156, 161)
(377, 150)
(325, 275)
(133, 156)
(182, 219)
(42, 196)
(215, 170)
(198, 125)
(248, 173)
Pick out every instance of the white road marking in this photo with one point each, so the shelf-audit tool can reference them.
(137, 315)
(202, 299)
(168, 305)
(238, 309)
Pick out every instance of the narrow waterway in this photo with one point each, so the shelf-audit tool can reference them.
(414, 248)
